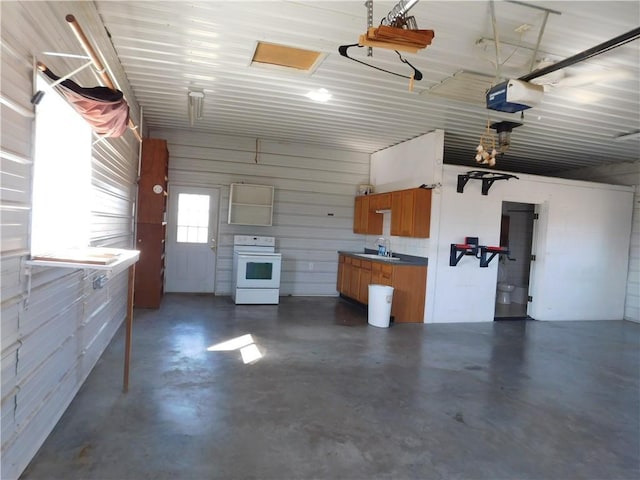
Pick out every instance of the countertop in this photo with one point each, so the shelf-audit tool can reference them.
(403, 259)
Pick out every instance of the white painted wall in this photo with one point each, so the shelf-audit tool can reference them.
(622, 174)
(408, 165)
(581, 244)
(313, 200)
(582, 239)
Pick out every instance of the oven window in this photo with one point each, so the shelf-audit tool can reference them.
(193, 218)
(259, 271)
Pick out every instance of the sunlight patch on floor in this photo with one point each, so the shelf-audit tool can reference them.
(245, 343)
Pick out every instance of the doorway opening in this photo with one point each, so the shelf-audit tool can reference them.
(514, 271)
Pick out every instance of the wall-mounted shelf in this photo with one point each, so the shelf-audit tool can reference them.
(459, 250)
(250, 204)
(488, 178)
(110, 260)
(471, 247)
(492, 252)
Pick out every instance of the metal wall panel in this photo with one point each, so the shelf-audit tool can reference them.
(166, 48)
(313, 205)
(54, 325)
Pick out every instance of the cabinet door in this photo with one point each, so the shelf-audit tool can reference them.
(407, 212)
(366, 220)
(149, 280)
(346, 276)
(409, 290)
(152, 187)
(353, 287)
(380, 201)
(411, 213)
(360, 212)
(375, 273)
(340, 279)
(364, 281)
(422, 213)
(396, 213)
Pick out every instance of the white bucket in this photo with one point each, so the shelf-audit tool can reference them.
(380, 297)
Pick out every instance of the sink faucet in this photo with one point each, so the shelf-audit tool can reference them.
(384, 246)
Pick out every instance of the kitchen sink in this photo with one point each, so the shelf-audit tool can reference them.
(374, 256)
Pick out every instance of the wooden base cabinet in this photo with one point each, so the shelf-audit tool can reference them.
(409, 284)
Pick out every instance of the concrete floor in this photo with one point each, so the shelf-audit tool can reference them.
(334, 398)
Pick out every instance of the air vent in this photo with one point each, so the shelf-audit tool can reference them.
(282, 56)
(463, 86)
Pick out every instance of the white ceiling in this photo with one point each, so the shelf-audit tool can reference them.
(167, 47)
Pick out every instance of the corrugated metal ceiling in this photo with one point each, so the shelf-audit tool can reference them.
(167, 47)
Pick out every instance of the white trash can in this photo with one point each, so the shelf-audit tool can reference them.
(380, 297)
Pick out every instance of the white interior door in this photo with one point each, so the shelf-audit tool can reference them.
(192, 229)
(537, 249)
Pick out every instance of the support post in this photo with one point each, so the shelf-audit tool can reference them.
(128, 328)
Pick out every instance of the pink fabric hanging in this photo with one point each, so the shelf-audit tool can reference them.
(104, 109)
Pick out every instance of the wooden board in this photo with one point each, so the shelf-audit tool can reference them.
(417, 38)
(396, 38)
(84, 256)
(364, 42)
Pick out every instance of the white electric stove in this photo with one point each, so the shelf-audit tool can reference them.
(256, 270)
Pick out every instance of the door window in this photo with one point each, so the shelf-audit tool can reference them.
(193, 218)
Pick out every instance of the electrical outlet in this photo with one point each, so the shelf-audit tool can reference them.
(99, 282)
(310, 266)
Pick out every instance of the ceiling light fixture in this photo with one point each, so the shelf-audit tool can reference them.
(504, 134)
(195, 102)
(320, 95)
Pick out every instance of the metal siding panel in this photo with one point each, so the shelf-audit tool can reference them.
(49, 348)
(371, 110)
(308, 188)
(9, 367)
(22, 444)
(9, 323)
(14, 226)
(39, 385)
(12, 285)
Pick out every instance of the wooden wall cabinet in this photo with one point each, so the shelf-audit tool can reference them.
(411, 213)
(408, 281)
(365, 219)
(380, 201)
(151, 223)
